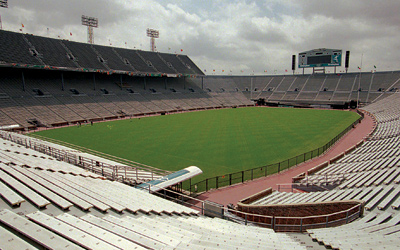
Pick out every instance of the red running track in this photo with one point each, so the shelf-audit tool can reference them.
(233, 194)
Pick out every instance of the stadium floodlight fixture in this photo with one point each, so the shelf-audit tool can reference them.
(90, 22)
(153, 34)
(4, 3)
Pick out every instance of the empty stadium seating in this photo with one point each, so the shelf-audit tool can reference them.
(91, 102)
(71, 97)
(309, 89)
(371, 173)
(31, 50)
(47, 203)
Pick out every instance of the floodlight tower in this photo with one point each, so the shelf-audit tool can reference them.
(4, 4)
(90, 22)
(153, 34)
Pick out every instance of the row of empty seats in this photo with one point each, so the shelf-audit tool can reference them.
(53, 205)
(51, 104)
(370, 173)
(314, 89)
(54, 157)
(64, 180)
(34, 50)
(374, 231)
(375, 198)
(375, 162)
(136, 232)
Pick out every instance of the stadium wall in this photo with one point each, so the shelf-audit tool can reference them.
(300, 217)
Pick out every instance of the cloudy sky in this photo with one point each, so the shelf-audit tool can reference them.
(228, 36)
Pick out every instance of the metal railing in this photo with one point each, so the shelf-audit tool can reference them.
(277, 223)
(326, 180)
(291, 187)
(254, 173)
(131, 172)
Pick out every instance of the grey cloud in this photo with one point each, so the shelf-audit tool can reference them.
(239, 34)
(384, 12)
(58, 14)
(250, 32)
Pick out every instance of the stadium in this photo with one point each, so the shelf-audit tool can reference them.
(103, 147)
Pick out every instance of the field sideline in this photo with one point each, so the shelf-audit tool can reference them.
(217, 141)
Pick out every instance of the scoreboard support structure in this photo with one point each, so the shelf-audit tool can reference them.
(315, 70)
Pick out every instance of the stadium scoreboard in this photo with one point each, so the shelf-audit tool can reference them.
(320, 58)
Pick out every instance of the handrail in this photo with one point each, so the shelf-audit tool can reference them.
(101, 154)
(257, 218)
(292, 184)
(130, 174)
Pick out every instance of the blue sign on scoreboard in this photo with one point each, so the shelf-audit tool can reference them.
(320, 58)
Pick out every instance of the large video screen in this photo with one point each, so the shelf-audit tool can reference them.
(319, 59)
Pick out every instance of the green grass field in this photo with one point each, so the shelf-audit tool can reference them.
(217, 141)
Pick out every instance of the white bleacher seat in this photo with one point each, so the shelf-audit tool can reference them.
(365, 178)
(98, 232)
(344, 194)
(184, 237)
(389, 198)
(382, 178)
(84, 195)
(28, 193)
(318, 196)
(164, 239)
(379, 197)
(353, 194)
(375, 177)
(392, 176)
(396, 203)
(392, 222)
(363, 193)
(310, 197)
(10, 195)
(59, 191)
(48, 194)
(266, 199)
(75, 235)
(148, 242)
(380, 218)
(10, 241)
(38, 234)
(327, 195)
(372, 194)
(83, 184)
(388, 230)
(293, 198)
(216, 230)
